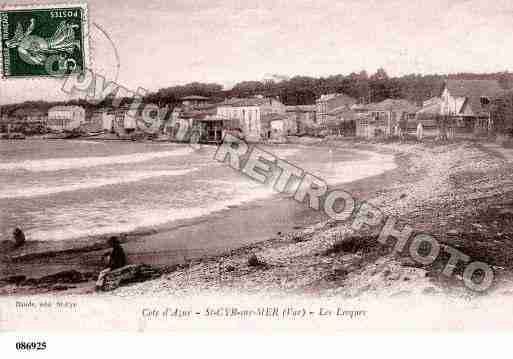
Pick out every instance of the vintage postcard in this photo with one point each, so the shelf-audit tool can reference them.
(217, 165)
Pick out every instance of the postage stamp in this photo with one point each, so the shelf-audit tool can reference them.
(43, 40)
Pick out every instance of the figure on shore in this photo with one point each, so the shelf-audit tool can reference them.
(117, 259)
(420, 132)
(19, 237)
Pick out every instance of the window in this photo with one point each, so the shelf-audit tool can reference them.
(485, 101)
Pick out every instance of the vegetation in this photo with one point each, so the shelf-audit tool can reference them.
(303, 90)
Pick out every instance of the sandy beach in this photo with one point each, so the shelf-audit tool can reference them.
(459, 192)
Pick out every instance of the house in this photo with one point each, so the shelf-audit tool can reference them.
(247, 114)
(463, 105)
(124, 122)
(65, 118)
(26, 120)
(93, 123)
(304, 116)
(210, 128)
(194, 100)
(384, 118)
(468, 102)
(100, 120)
(107, 119)
(277, 126)
(326, 103)
(502, 113)
(203, 123)
(342, 121)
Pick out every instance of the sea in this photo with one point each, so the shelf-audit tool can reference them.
(62, 190)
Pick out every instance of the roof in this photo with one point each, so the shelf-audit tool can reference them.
(340, 111)
(358, 107)
(301, 108)
(393, 105)
(473, 90)
(339, 96)
(426, 123)
(432, 108)
(197, 114)
(206, 106)
(66, 108)
(210, 119)
(195, 97)
(270, 117)
(230, 101)
(23, 112)
(247, 102)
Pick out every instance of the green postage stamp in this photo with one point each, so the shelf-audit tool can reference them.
(43, 40)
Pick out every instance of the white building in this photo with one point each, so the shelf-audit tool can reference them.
(107, 120)
(65, 118)
(247, 114)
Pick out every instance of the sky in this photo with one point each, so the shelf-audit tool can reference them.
(170, 42)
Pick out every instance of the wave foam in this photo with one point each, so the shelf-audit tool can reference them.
(56, 164)
(87, 183)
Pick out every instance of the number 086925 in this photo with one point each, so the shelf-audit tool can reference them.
(30, 346)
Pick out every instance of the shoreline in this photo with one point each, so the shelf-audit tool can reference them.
(434, 191)
(370, 188)
(144, 245)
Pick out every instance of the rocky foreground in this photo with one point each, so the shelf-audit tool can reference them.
(461, 193)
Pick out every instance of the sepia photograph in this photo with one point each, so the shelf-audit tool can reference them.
(291, 165)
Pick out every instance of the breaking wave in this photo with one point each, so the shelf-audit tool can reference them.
(56, 164)
(87, 183)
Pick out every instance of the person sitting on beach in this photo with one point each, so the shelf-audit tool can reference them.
(19, 237)
(117, 259)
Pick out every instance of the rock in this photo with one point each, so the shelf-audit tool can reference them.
(394, 276)
(341, 271)
(253, 261)
(70, 276)
(401, 293)
(19, 237)
(229, 268)
(132, 273)
(30, 282)
(506, 212)
(299, 236)
(409, 262)
(429, 290)
(60, 287)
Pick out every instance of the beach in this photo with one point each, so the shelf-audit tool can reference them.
(461, 193)
(442, 189)
(225, 213)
